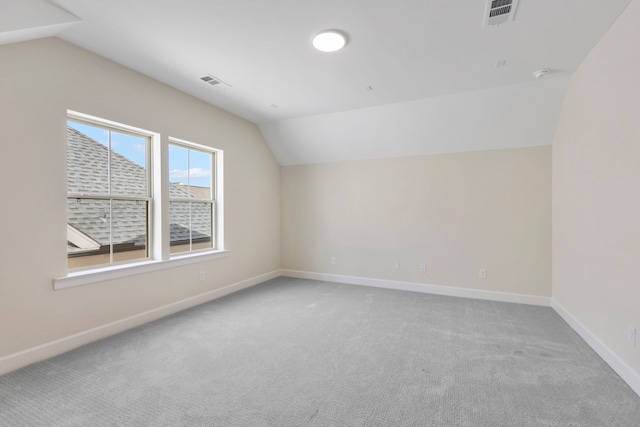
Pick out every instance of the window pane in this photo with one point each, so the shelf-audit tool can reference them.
(88, 224)
(87, 159)
(128, 165)
(200, 174)
(96, 225)
(178, 165)
(190, 226)
(201, 230)
(129, 229)
(179, 227)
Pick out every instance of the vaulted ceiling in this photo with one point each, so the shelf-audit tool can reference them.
(416, 76)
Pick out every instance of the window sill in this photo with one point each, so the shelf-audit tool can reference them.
(87, 277)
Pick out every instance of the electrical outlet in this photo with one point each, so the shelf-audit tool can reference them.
(483, 273)
(333, 260)
(423, 268)
(202, 276)
(396, 265)
(631, 335)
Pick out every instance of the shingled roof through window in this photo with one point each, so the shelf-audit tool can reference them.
(87, 173)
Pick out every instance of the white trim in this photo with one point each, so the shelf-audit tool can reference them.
(159, 212)
(111, 272)
(105, 123)
(424, 288)
(26, 357)
(219, 196)
(80, 240)
(217, 182)
(625, 372)
(189, 144)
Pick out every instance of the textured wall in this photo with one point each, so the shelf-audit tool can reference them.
(454, 212)
(39, 81)
(596, 196)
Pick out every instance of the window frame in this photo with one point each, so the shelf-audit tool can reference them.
(110, 196)
(158, 244)
(213, 201)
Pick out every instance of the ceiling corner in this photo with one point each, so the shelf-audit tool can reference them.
(32, 19)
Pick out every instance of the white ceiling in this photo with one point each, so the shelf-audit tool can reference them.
(504, 117)
(31, 19)
(432, 66)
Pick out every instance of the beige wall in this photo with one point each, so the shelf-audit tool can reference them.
(455, 212)
(596, 190)
(39, 81)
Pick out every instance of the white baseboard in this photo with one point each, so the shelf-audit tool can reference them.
(622, 369)
(26, 357)
(424, 288)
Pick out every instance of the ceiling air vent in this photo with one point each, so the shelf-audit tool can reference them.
(499, 11)
(215, 82)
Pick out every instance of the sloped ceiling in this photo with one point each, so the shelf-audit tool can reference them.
(513, 116)
(416, 77)
(22, 20)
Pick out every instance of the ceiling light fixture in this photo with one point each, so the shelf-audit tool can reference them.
(541, 73)
(329, 41)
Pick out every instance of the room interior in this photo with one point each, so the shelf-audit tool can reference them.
(420, 160)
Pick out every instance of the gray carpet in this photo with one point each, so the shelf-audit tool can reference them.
(295, 352)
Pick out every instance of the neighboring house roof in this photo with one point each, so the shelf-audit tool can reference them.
(195, 191)
(89, 219)
(77, 240)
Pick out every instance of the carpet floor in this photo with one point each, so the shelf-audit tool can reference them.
(293, 352)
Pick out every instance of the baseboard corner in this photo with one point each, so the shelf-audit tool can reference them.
(623, 370)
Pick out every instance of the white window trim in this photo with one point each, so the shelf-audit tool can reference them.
(218, 182)
(159, 256)
(153, 146)
(112, 272)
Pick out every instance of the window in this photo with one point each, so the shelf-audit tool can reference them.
(122, 209)
(108, 194)
(191, 197)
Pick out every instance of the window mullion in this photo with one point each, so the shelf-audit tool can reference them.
(190, 204)
(108, 197)
(110, 200)
(190, 226)
(190, 199)
(214, 230)
(110, 230)
(213, 194)
(109, 162)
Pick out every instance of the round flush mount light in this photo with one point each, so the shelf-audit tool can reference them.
(329, 41)
(541, 73)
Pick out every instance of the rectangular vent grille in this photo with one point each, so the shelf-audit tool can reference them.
(214, 81)
(499, 11)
